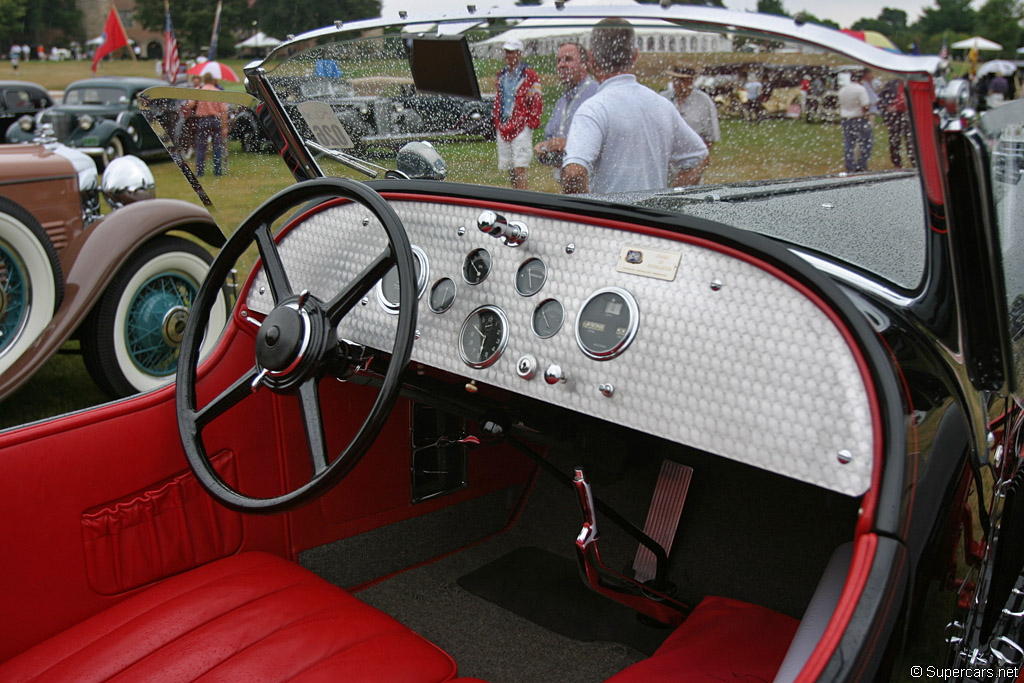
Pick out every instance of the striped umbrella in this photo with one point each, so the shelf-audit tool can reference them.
(874, 38)
(222, 72)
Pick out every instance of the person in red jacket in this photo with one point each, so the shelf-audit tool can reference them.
(517, 109)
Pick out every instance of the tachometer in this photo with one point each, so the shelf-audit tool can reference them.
(607, 323)
(442, 295)
(483, 336)
(547, 318)
(531, 277)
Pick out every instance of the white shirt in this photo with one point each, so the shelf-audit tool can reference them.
(698, 110)
(853, 100)
(627, 137)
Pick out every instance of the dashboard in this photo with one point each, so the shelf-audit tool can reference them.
(668, 334)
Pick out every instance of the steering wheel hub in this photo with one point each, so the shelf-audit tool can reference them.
(282, 338)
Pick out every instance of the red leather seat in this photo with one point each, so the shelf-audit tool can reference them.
(721, 640)
(251, 617)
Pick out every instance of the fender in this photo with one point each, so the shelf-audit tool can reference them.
(92, 260)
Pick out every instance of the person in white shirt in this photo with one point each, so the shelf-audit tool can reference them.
(627, 137)
(858, 136)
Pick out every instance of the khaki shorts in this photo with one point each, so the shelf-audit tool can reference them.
(517, 153)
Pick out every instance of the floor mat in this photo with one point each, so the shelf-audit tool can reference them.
(547, 589)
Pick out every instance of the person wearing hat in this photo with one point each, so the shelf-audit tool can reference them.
(696, 106)
(627, 137)
(571, 65)
(517, 109)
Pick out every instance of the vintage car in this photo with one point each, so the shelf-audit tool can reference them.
(21, 98)
(97, 116)
(376, 112)
(454, 429)
(120, 283)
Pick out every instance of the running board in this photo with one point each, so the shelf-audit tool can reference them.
(663, 516)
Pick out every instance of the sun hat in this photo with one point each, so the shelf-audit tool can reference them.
(513, 44)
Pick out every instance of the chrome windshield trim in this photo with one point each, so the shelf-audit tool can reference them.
(702, 18)
(858, 281)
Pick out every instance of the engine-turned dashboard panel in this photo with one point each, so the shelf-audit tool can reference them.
(676, 337)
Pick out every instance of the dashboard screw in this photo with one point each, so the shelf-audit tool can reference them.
(716, 285)
(461, 231)
(570, 248)
(844, 456)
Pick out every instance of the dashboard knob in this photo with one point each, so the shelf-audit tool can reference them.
(554, 374)
(526, 367)
(491, 222)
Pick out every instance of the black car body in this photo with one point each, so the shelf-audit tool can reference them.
(392, 116)
(98, 116)
(21, 98)
(777, 414)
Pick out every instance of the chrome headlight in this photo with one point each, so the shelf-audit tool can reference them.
(26, 122)
(85, 122)
(127, 180)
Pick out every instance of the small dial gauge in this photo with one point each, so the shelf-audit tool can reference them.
(531, 276)
(483, 336)
(389, 286)
(442, 295)
(607, 323)
(477, 266)
(547, 318)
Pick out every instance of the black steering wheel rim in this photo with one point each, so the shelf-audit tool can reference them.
(193, 419)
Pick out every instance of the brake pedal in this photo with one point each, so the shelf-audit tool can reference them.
(663, 516)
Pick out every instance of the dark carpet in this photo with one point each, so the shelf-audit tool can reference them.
(547, 590)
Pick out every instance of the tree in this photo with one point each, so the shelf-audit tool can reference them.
(999, 20)
(43, 19)
(809, 18)
(11, 14)
(947, 15)
(193, 19)
(891, 23)
(772, 7)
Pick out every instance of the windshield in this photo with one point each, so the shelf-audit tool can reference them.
(104, 96)
(766, 145)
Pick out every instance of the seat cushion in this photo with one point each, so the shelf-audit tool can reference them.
(250, 617)
(721, 640)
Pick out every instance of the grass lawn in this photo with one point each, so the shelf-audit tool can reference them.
(771, 149)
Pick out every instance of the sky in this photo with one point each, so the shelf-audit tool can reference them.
(843, 13)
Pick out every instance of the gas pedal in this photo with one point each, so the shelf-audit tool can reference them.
(663, 516)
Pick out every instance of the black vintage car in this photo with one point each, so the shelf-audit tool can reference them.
(388, 118)
(98, 116)
(21, 98)
(456, 429)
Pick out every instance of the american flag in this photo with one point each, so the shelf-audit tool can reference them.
(944, 50)
(171, 61)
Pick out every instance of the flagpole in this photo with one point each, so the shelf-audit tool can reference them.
(213, 37)
(117, 15)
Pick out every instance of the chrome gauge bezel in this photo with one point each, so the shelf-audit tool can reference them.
(465, 263)
(536, 310)
(503, 342)
(631, 329)
(421, 281)
(433, 288)
(522, 267)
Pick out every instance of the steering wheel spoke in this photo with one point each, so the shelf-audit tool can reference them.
(296, 344)
(280, 288)
(340, 305)
(227, 399)
(313, 421)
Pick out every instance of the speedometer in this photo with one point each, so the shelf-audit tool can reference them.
(607, 323)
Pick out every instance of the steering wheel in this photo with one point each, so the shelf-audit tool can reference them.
(297, 344)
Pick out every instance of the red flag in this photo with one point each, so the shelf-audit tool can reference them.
(114, 38)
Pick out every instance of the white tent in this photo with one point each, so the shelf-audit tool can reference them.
(976, 42)
(260, 40)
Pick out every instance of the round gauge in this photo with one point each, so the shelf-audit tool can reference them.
(531, 276)
(547, 318)
(442, 295)
(388, 287)
(607, 323)
(477, 266)
(483, 336)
